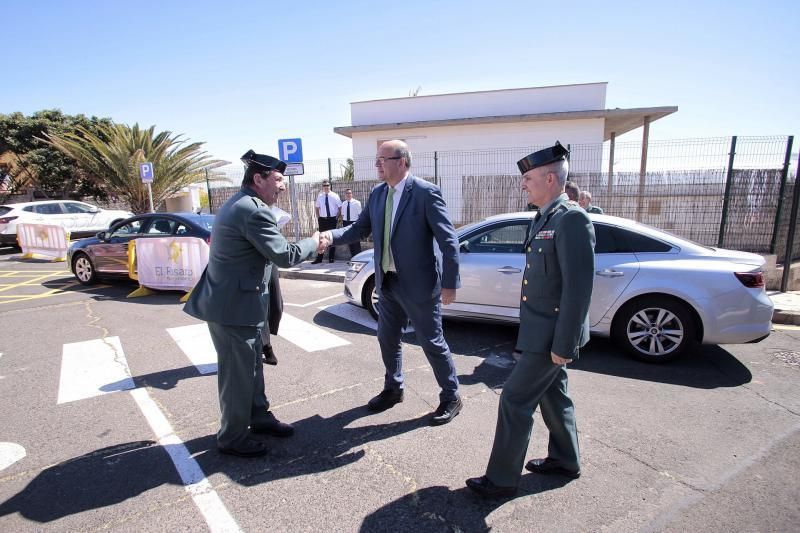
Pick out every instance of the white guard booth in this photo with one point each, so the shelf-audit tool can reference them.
(170, 263)
(50, 240)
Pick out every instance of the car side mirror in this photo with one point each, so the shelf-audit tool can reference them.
(102, 235)
(464, 246)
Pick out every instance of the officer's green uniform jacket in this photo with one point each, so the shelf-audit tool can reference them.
(553, 312)
(246, 242)
(594, 209)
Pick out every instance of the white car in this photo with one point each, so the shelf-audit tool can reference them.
(80, 219)
(655, 293)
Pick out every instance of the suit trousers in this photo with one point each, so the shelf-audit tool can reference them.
(396, 310)
(240, 381)
(355, 247)
(534, 381)
(325, 224)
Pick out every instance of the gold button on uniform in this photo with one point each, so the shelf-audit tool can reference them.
(556, 309)
(524, 298)
(540, 250)
(529, 248)
(528, 265)
(524, 281)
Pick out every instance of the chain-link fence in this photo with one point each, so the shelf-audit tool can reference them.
(728, 192)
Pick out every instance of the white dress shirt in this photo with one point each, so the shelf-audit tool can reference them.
(333, 202)
(355, 210)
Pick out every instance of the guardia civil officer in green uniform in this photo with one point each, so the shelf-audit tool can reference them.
(554, 308)
(233, 297)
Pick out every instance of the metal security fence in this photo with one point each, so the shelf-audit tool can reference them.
(733, 192)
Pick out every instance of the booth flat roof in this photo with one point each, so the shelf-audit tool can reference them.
(618, 121)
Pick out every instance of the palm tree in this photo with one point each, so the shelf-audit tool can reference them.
(114, 153)
(348, 171)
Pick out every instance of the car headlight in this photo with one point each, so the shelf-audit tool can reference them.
(355, 266)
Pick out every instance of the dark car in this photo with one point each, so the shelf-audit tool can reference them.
(106, 255)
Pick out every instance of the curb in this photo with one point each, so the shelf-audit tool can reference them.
(336, 277)
(791, 318)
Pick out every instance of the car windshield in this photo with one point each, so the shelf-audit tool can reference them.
(4, 209)
(204, 221)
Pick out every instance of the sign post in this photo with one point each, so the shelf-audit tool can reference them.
(147, 174)
(291, 151)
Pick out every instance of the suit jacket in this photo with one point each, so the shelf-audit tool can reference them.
(421, 217)
(557, 284)
(245, 243)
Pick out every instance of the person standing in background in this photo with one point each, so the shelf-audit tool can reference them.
(351, 209)
(327, 207)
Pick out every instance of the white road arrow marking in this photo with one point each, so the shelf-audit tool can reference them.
(93, 368)
(195, 342)
(10, 453)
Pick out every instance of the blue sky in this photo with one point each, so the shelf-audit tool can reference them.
(239, 75)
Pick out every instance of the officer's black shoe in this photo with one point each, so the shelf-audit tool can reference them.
(269, 355)
(249, 448)
(272, 426)
(484, 487)
(316, 261)
(550, 466)
(385, 400)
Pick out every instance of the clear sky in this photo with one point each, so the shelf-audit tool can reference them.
(241, 75)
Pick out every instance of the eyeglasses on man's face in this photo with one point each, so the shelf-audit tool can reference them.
(382, 160)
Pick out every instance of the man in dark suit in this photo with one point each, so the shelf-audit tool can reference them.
(405, 215)
(232, 296)
(554, 324)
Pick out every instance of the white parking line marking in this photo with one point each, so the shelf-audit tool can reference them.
(308, 336)
(195, 342)
(194, 480)
(10, 453)
(337, 295)
(356, 314)
(92, 368)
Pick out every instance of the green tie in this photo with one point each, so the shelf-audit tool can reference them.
(387, 230)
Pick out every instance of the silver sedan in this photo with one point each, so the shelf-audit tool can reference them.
(655, 293)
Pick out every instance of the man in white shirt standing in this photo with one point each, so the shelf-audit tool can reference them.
(327, 207)
(350, 210)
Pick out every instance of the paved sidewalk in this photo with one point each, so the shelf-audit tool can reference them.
(787, 304)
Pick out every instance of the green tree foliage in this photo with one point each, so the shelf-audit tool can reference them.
(28, 163)
(348, 171)
(114, 153)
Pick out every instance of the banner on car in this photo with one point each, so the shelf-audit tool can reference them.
(170, 263)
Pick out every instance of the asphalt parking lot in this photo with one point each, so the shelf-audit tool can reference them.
(711, 442)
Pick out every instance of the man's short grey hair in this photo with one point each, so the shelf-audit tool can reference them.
(560, 169)
(405, 154)
(586, 194)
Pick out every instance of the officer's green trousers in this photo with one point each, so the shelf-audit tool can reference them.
(535, 381)
(240, 381)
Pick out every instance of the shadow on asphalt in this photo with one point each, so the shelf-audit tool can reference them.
(116, 290)
(114, 474)
(439, 508)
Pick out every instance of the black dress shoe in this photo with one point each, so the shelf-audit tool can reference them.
(316, 261)
(446, 412)
(272, 426)
(249, 448)
(385, 400)
(483, 486)
(550, 466)
(269, 355)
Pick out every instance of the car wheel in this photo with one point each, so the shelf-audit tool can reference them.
(84, 269)
(655, 329)
(370, 297)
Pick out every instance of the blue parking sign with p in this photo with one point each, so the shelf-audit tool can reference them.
(146, 172)
(290, 150)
